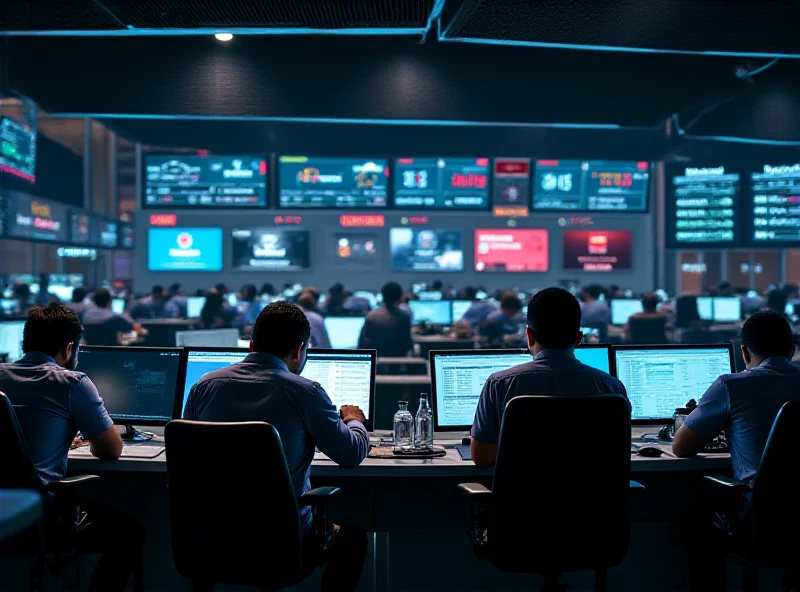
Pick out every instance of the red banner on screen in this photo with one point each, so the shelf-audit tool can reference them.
(598, 250)
(518, 250)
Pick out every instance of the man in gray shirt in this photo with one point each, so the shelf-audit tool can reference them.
(388, 329)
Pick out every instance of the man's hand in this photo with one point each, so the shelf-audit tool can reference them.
(349, 413)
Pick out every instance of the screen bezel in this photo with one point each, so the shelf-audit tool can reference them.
(114, 348)
(673, 346)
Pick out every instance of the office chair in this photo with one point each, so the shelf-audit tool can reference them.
(56, 538)
(552, 507)
(100, 334)
(768, 535)
(234, 518)
(647, 330)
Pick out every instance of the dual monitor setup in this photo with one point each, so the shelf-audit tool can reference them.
(719, 309)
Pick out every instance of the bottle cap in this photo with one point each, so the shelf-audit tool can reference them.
(402, 402)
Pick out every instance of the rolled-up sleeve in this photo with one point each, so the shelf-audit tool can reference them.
(711, 415)
(486, 427)
(88, 409)
(345, 444)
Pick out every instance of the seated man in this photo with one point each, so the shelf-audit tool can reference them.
(388, 328)
(57, 402)
(151, 307)
(554, 319)
(594, 311)
(266, 386)
(744, 405)
(509, 318)
(648, 326)
(101, 314)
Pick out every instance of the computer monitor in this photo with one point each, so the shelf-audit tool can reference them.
(373, 300)
(789, 309)
(661, 378)
(199, 361)
(8, 306)
(459, 309)
(194, 306)
(596, 355)
(61, 291)
(705, 308)
(11, 338)
(118, 305)
(232, 299)
(591, 334)
(344, 331)
(138, 384)
(434, 312)
(209, 338)
(622, 309)
(727, 309)
(430, 295)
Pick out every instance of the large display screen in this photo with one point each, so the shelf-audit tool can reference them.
(702, 207)
(776, 204)
(17, 149)
(512, 182)
(591, 185)
(270, 249)
(184, 249)
(442, 183)
(33, 218)
(354, 249)
(108, 233)
(415, 249)
(127, 238)
(205, 181)
(517, 250)
(598, 250)
(83, 229)
(317, 182)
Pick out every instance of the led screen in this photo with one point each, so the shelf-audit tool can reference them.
(442, 183)
(270, 249)
(184, 249)
(598, 250)
(426, 249)
(501, 249)
(317, 182)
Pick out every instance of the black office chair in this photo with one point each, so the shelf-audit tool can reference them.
(100, 334)
(553, 508)
(647, 330)
(234, 517)
(57, 537)
(768, 537)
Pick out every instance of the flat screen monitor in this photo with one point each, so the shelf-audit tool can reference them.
(61, 291)
(512, 183)
(659, 379)
(108, 233)
(137, 384)
(354, 250)
(184, 249)
(194, 306)
(34, 218)
(425, 249)
(702, 207)
(459, 309)
(199, 361)
(598, 356)
(432, 312)
(591, 185)
(727, 309)
(118, 305)
(8, 306)
(17, 149)
(83, 229)
(209, 338)
(271, 249)
(127, 238)
(331, 182)
(190, 181)
(11, 338)
(622, 309)
(775, 210)
(789, 309)
(598, 250)
(705, 308)
(441, 183)
(344, 331)
(511, 250)
(430, 295)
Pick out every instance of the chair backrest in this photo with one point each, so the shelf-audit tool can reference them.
(234, 517)
(648, 330)
(776, 513)
(17, 470)
(100, 334)
(561, 496)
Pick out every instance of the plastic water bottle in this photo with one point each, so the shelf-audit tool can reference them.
(403, 428)
(424, 424)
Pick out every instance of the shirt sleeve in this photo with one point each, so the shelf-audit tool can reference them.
(486, 427)
(711, 415)
(190, 410)
(122, 325)
(88, 410)
(345, 444)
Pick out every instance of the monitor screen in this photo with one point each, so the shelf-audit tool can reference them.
(598, 250)
(596, 357)
(502, 249)
(441, 183)
(727, 309)
(705, 308)
(118, 305)
(430, 295)
(83, 229)
(354, 250)
(347, 377)
(209, 338)
(108, 233)
(8, 306)
(184, 249)
(591, 185)
(201, 362)
(512, 183)
(127, 238)
(323, 182)
(661, 379)
(11, 339)
(776, 205)
(34, 218)
(622, 309)
(344, 331)
(17, 149)
(137, 384)
(702, 207)
(61, 291)
(205, 181)
(432, 312)
(270, 249)
(788, 310)
(194, 306)
(459, 308)
(426, 249)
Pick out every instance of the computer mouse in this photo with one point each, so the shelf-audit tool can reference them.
(650, 452)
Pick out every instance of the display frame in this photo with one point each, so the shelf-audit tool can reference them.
(394, 269)
(152, 229)
(394, 177)
(747, 224)
(250, 270)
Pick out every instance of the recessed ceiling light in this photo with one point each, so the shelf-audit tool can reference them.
(223, 36)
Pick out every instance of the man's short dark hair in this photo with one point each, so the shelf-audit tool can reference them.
(767, 334)
(279, 328)
(249, 292)
(776, 301)
(470, 293)
(555, 316)
(650, 302)
(157, 291)
(392, 293)
(102, 297)
(49, 330)
(78, 294)
(594, 291)
(510, 301)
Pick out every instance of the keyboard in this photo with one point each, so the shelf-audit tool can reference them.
(137, 451)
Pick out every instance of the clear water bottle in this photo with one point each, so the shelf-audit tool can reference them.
(424, 424)
(403, 428)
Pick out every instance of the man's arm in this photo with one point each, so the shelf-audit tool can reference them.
(704, 423)
(486, 427)
(90, 415)
(106, 446)
(346, 444)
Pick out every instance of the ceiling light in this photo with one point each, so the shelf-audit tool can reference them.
(223, 36)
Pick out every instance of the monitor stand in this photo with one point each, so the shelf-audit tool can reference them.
(131, 434)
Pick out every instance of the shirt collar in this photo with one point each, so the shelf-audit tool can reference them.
(39, 358)
(775, 361)
(555, 354)
(266, 360)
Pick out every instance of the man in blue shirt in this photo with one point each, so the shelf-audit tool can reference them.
(53, 402)
(478, 311)
(744, 406)
(593, 310)
(177, 303)
(151, 307)
(509, 318)
(266, 386)
(247, 307)
(554, 318)
(101, 314)
(319, 334)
